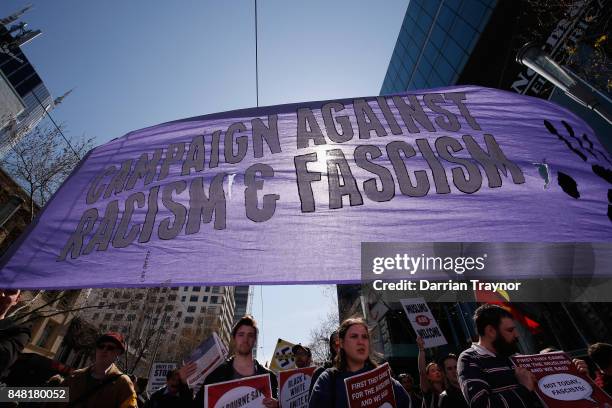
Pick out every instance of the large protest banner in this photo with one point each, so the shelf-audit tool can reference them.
(560, 385)
(204, 359)
(373, 389)
(244, 393)
(283, 356)
(257, 195)
(423, 322)
(293, 387)
(157, 376)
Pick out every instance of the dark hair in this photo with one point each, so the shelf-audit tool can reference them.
(246, 320)
(488, 314)
(340, 360)
(449, 356)
(405, 375)
(601, 354)
(170, 374)
(332, 344)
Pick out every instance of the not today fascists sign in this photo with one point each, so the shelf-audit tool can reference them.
(559, 384)
(373, 389)
(294, 387)
(423, 322)
(255, 196)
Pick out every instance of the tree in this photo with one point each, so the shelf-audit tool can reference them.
(41, 161)
(319, 337)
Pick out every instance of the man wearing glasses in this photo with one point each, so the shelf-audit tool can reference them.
(102, 384)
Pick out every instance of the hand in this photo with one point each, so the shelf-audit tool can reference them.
(420, 342)
(525, 377)
(187, 371)
(581, 366)
(270, 403)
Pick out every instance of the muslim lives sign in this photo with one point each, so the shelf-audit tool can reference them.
(259, 195)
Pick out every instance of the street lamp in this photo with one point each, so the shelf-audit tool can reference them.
(532, 56)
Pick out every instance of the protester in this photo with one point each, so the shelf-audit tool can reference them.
(102, 385)
(431, 378)
(353, 358)
(486, 374)
(175, 393)
(408, 383)
(302, 356)
(13, 336)
(334, 345)
(601, 354)
(451, 397)
(241, 364)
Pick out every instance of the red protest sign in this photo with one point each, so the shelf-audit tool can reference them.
(372, 389)
(293, 387)
(245, 392)
(559, 384)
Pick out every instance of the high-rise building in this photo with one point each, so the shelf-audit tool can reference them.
(244, 298)
(460, 42)
(25, 97)
(166, 323)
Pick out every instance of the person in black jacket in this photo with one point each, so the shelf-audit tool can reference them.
(175, 394)
(241, 364)
(13, 337)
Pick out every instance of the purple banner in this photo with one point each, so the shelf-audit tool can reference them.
(286, 194)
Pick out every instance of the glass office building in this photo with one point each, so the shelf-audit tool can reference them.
(435, 42)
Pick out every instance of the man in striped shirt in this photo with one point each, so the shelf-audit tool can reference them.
(486, 374)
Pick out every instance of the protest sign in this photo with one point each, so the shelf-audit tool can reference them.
(373, 389)
(559, 384)
(293, 387)
(423, 322)
(244, 393)
(157, 376)
(283, 356)
(206, 357)
(262, 192)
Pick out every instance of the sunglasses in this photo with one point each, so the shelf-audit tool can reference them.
(106, 347)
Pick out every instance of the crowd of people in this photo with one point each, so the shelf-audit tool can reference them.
(481, 376)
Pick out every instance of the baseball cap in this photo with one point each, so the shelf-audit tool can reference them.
(113, 337)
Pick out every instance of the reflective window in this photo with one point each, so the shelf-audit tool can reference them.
(446, 16)
(473, 12)
(452, 52)
(462, 33)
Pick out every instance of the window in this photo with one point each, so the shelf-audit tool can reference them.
(118, 317)
(183, 298)
(96, 316)
(111, 306)
(168, 308)
(197, 288)
(174, 288)
(171, 297)
(123, 306)
(173, 337)
(193, 299)
(139, 296)
(45, 337)
(164, 290)
(105, 294)
(215, 289)
(116, 295)
(176, 325)
(188, 319)
(179, 314)
(204, 298)
(191, 309)
(158, 310)
(207, 289)
(107, 316)
(214, 299)
(131, 317)
(186, 288)
(203, 309)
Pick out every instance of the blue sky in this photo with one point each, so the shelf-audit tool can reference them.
(139, 63)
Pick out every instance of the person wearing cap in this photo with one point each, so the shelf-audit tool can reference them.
(302, 356)
(102, 385)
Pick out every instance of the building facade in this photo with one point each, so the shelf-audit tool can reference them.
(21, 85)
(164, 323)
